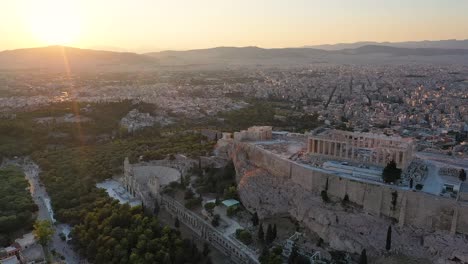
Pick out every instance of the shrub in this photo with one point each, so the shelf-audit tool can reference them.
(192, 203)
(231, 211)
(209, 207)
(244, 236)
(230, 193)
(188, 194)
(419, 186)
(215, 220)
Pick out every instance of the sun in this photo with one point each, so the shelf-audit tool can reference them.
(54, 22)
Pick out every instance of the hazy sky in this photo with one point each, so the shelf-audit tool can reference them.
(151, 25)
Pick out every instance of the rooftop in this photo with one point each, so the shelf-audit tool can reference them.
(230, 202)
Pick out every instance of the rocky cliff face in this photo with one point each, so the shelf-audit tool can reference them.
(345, 227)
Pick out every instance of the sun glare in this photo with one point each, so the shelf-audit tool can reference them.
(54, 22)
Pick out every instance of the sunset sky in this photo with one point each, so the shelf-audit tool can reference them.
(152, 25)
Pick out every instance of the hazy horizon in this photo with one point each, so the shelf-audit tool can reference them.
(145, 26)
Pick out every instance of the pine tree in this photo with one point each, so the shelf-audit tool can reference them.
(388, 245)
(269, 234)
(363, 257)
(263, 258)
(261, 234)
(462, 175)
(292, 257)
(274, 231)
(391, 173)
(206, 249)
(255, 219)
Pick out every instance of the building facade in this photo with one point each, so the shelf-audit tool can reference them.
(368, 148)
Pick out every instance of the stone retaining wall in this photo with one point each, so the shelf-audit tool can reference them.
(407, 207)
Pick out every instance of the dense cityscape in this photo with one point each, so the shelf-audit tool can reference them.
(212, 132)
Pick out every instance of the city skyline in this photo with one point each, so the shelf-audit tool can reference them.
(143, 26)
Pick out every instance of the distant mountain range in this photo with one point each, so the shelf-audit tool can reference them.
(435, 44)
(74, 59)
(68, 58)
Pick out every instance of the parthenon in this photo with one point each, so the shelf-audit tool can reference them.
(368, 148)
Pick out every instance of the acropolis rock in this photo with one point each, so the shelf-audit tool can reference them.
(272, 186)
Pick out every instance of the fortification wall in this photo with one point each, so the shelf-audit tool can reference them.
(417, 209)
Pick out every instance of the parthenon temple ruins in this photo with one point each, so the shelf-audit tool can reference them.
(367, 148)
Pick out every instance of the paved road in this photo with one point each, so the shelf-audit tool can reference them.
(45, 212)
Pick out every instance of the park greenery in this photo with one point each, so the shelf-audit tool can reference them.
(244, 236)
(43, 231)
(16, 204)
(271, 256)
(74, 157)
(268, 113)
(115, 233)
(217, 180)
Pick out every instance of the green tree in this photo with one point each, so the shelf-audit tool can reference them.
(274, 231)
(324, 196)
(261, 234)
(255, 219)
(230, 193)
(244, 236)
(363, 257)
(462, 175)
(391, 173)
(273, 257)
(293, 255)
(206, 249)
(215, 220)
(209, 207)
(43, 231)
(388, 244)
(269, 235)
(231, 211)
(296, 258)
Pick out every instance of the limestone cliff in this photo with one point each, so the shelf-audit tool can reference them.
(270, 191)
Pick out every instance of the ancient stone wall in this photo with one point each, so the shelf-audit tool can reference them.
(408, 207)
(272, 186)
(238, 252)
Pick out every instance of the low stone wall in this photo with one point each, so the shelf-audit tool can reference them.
(236, 251)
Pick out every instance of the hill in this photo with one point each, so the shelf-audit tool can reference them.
(237, 55)
(74, 59)
(61, 58)
(368, 54)
(395, 51)
(436, 44)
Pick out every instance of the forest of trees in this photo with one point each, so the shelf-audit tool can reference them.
(70, 174)
(74, 157)
(215, 180)
(114, 233)
(16, 204)
(263, 113)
